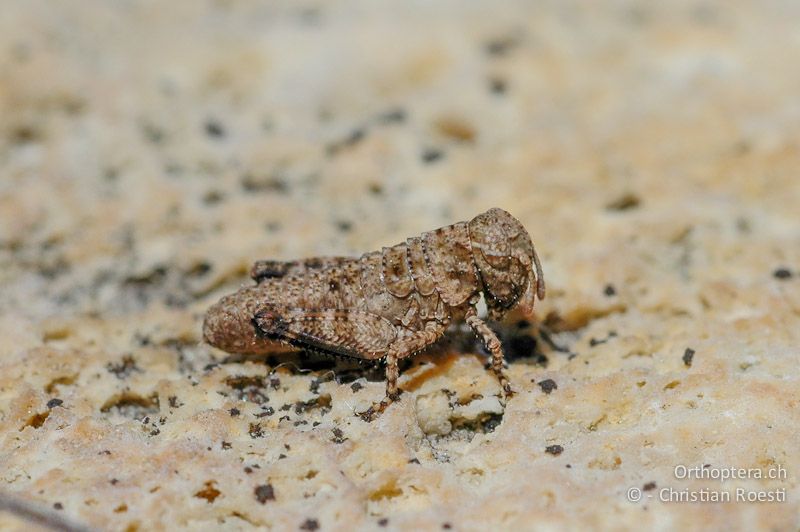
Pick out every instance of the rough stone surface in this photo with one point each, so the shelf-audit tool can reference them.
(150, 152)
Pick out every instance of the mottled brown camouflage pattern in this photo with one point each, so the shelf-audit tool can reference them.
(387, 304)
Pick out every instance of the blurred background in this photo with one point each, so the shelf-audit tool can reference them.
(170, 144)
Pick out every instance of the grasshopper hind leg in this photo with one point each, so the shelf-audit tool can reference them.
(392, 391)
(402, 348)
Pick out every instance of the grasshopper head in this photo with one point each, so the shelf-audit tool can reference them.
(505, 259)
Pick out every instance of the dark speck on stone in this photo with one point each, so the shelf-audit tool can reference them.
(447, 526)
(310, 524)
(555, 450)
(688, 356)
(610, 291)
(58, 506)
(200, 269)
(264, 493)
(595, 342)
(214, 129)
(269, 183)
(128, 363)
(395, 116)
(153, 133)
(356, 386)
(548, 385)
(235, 412)
(431, 155)
(498, 86)
(52, 403)
(501, 46)
(255, 430)
(268, 411)
(338, 435)
(782, 274)
(345, 226)
(383, 521)
(649, 486)
(625, 202)
(212, 197)
(355, 136)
